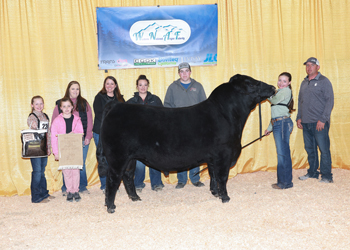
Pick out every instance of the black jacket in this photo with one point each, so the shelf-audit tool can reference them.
(150, 99)
(99, 104)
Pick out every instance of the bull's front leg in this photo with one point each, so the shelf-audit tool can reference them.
(222, 177)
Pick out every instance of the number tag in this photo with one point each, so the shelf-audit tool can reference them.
(44, 125)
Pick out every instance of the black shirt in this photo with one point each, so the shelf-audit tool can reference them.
(69, 124)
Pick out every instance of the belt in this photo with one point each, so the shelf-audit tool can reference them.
(278, 119)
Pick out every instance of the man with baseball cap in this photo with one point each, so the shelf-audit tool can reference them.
(185, 92)
(315, 104)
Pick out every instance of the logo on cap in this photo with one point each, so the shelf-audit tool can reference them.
(312, 60)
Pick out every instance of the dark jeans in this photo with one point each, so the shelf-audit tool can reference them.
(281, 134)
(182, 176)
(102, 179)
(314, 139)
(154, 175)
(38, 185)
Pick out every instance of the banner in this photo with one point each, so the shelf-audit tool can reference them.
(159, 36)
(70, 148)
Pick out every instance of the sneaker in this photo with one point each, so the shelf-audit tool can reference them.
(44, 201)
(84, 191)
(76, 196)
(326, 181)
(305, 177)
(158, 188)
(198, 184)
(70, 197)
(104, 191)
(64, 193)
(139, 190)
(50, 197)
(275, 186)
(180, 185)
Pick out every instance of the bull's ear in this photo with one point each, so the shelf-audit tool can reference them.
(235, 77)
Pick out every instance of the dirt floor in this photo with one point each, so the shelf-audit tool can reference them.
(311, 215)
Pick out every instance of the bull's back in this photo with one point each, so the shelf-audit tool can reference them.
(177, 135)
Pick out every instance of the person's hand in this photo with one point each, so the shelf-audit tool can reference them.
(48, 152)
(267, 132)
(56, 158)
(319, 126)
(299, 124)
(86, 141)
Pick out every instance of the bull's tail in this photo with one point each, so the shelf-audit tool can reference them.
(200, 171)
(101, 158)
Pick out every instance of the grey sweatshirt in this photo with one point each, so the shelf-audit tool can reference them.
(177, 96)
(316, 100)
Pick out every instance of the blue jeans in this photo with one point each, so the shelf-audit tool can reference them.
(281, 134)
(320, 139)
(102, 179)
(38, 185)
(182, 176)
(155, 176)
(83, 178)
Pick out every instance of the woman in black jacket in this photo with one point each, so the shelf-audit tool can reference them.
(146, 98)
(109, 92)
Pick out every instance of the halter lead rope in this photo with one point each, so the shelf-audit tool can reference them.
(260, 125)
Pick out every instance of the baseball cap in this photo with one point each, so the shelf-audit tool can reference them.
(312, 60)
(184, 65)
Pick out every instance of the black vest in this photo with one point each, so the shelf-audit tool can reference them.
(82, 115)
(38, 118)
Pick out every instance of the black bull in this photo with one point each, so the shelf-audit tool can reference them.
(178, 139)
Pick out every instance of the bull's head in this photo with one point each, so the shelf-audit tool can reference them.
(248, 86)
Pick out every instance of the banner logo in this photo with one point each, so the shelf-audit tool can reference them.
(146, 61)
(211, 59)
(168, 61)
(160, 32)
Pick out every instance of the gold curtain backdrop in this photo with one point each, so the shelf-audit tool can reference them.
(45, 44)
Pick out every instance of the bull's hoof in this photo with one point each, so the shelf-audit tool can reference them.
(225, 199)
(216, 194)
(135, 198)
(110, 210)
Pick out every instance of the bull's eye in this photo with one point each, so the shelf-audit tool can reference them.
(251, 85)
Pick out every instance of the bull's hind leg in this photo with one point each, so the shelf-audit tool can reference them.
(128, 179)
(213, 183)
(115, 174)
(112, 185)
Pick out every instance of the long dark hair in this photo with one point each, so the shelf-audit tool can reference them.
(116, 90)
(291, 103)
(81, 101)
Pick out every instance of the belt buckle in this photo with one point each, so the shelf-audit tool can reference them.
(273, 121)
